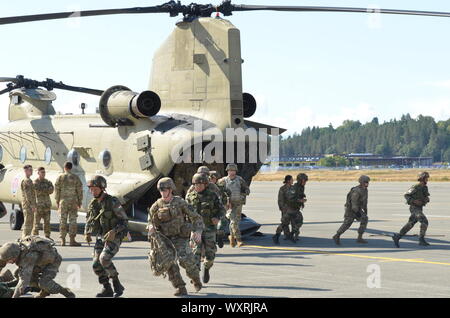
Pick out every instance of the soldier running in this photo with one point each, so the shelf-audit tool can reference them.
(107, 219)
(416, 197)
(174, 218)
(355, 208)
(207, 204)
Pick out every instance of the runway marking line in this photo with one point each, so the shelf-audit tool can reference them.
(380, 258)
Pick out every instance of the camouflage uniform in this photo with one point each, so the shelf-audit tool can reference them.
(104, 216)
(170, 219)
(43, 190)
(5, 291)
(292, 214)
(416, 192)
(282, 204)
(223, 223)
(355, 208)
(28, 204)
(236, 190)
(38, 261)
(69, 195)
(208, 205)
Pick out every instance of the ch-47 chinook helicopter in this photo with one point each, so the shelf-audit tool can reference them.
(196, 75)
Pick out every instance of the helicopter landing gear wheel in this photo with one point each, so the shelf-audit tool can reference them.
(16, 220)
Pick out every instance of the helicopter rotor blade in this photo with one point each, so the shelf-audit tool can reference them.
(50, 84)
(243, 7)
(87, 13)
(8, 79)
(6, 90)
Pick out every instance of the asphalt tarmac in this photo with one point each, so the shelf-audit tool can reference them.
(313, 267)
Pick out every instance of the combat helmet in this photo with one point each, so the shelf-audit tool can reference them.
(203, 169)
(200, 178)
(97, 181)
(422, 176)
(165, 183)
(302, 176)
(9, 251)
(231, 166)
(363, 179)
(214, 174)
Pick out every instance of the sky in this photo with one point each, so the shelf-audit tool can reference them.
(304, 69)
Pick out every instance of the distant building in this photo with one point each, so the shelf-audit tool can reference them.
(369, 159)
(296, 161)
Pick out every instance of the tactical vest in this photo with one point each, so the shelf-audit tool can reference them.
(204, 205)
(348, 201)
(170, 220)
(234, 186)
(108, 219)
(43, 246)
(293, 195)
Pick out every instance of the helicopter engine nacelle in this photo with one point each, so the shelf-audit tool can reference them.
(249, 104)
(119, 106)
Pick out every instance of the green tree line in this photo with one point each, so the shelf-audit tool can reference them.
(421, 136)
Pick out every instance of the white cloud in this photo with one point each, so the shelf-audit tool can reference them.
(440, 84)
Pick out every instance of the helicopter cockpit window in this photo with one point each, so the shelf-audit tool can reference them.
(105, 157)
(16, 99)
(23, 154)
(73, 157)
(1, 152)
(48, 155)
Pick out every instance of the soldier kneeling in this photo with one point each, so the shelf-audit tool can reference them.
(39, 261)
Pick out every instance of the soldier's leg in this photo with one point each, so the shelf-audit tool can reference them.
(423, 228)
(362, 227)
(187, 261)
(47, 229)
(110, 249)
(210, 248)
(73, 227)
(175, 276)
(63, 224)
(28, 222)
(47, 283)
(197, 250)
(408, 226)
(96, 264)
(37, 220)
(296, 223)
(237, 230)
(348, 221)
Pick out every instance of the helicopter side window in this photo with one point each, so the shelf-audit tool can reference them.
(48, 155)
(73, 157)
(105, 158)
(1, 153)
(16, 99)
(23, 154)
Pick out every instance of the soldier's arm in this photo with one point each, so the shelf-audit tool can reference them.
(194, 217)
(220, 210)
(90, 226)
(281, 199)
(25, 273)
(31, 194)
(151, 227)
(120, 213)
(79, 190)
(50, 188)
(409, 195)
(244, 187)
(58, 190)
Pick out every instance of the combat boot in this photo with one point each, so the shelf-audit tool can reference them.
(205, 275)
(294, 238)
(73, 242)
(287, 237)
(118, 288)
(42, 294)
(220, 241)
(360, 239)
(232, 241)
(180, 291)
(63, 241)
(106, 291)
(337, 239)
(396, 239)
(66, 292)
(276, 239)
(239, 243)
(422, 241)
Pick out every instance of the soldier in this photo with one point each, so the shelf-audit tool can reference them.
(417, 197)
(38, 260)
(237, 190)
(211, 186)
(28, 201)
(174, 218)
(282, 205)
(68, 197)
(43, 189)
(207, 204)
(107, 219)
(223, 223)
(295, 200)
(355, 208)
